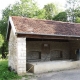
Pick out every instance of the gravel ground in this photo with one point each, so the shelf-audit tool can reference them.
(61, 75)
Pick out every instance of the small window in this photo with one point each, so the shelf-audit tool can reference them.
(33, 55)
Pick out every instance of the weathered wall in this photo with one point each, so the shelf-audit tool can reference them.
(19, 51)
(74, 45)
(46, 54)
(12, 51)
(39, 67)
(17, 54)
(21, 56)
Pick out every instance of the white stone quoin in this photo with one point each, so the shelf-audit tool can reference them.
(21, 56)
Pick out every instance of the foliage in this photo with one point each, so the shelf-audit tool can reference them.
(50, 11)
(72, 5)
(40, 14)
(3, 27)
(26, 8)
(77, 15)
(1, 40)
(77, 20)
(62, 16)
(5, 74)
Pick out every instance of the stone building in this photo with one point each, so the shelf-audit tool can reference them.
(41, 42)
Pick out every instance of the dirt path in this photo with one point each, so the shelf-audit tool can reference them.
(61, 75)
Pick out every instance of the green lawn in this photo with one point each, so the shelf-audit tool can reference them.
(4, 73)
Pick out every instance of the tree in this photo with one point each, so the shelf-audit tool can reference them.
(3, 47)
(50, 11)
(26, 8)
(77, 15)
(62, 16)
(1, 40)
(40, 14)
(77, 20)
(72, 5)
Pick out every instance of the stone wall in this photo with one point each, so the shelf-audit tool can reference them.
(74, 45)
(49, 66)
(21, 56)
(20, 50)
(47, 52)
(12, 62)
(17, 54)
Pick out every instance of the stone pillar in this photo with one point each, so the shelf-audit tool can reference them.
(21, 56)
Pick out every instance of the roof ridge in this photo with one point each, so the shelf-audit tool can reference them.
(45, 20)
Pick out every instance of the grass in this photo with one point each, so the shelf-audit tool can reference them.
(5, 74)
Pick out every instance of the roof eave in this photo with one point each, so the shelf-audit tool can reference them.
(76, 36)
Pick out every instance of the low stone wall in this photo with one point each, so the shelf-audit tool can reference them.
(41, 67)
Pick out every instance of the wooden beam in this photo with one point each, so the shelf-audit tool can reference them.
(47, 37)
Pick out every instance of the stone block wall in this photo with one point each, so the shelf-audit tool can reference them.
(12, 62)
(37, 46)
(19, 51)
(74, 45)
(21, 56)
(17, 54)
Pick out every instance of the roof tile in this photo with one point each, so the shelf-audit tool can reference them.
(29, 25)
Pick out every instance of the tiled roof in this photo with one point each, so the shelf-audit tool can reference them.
(36, 26)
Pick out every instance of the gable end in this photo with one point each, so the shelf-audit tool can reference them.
(10, 26)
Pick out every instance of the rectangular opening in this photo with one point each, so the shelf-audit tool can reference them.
(61, 54)
(39, 55)
(33, 56)
(56, 55)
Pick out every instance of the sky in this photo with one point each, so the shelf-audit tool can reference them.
(41, 3)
